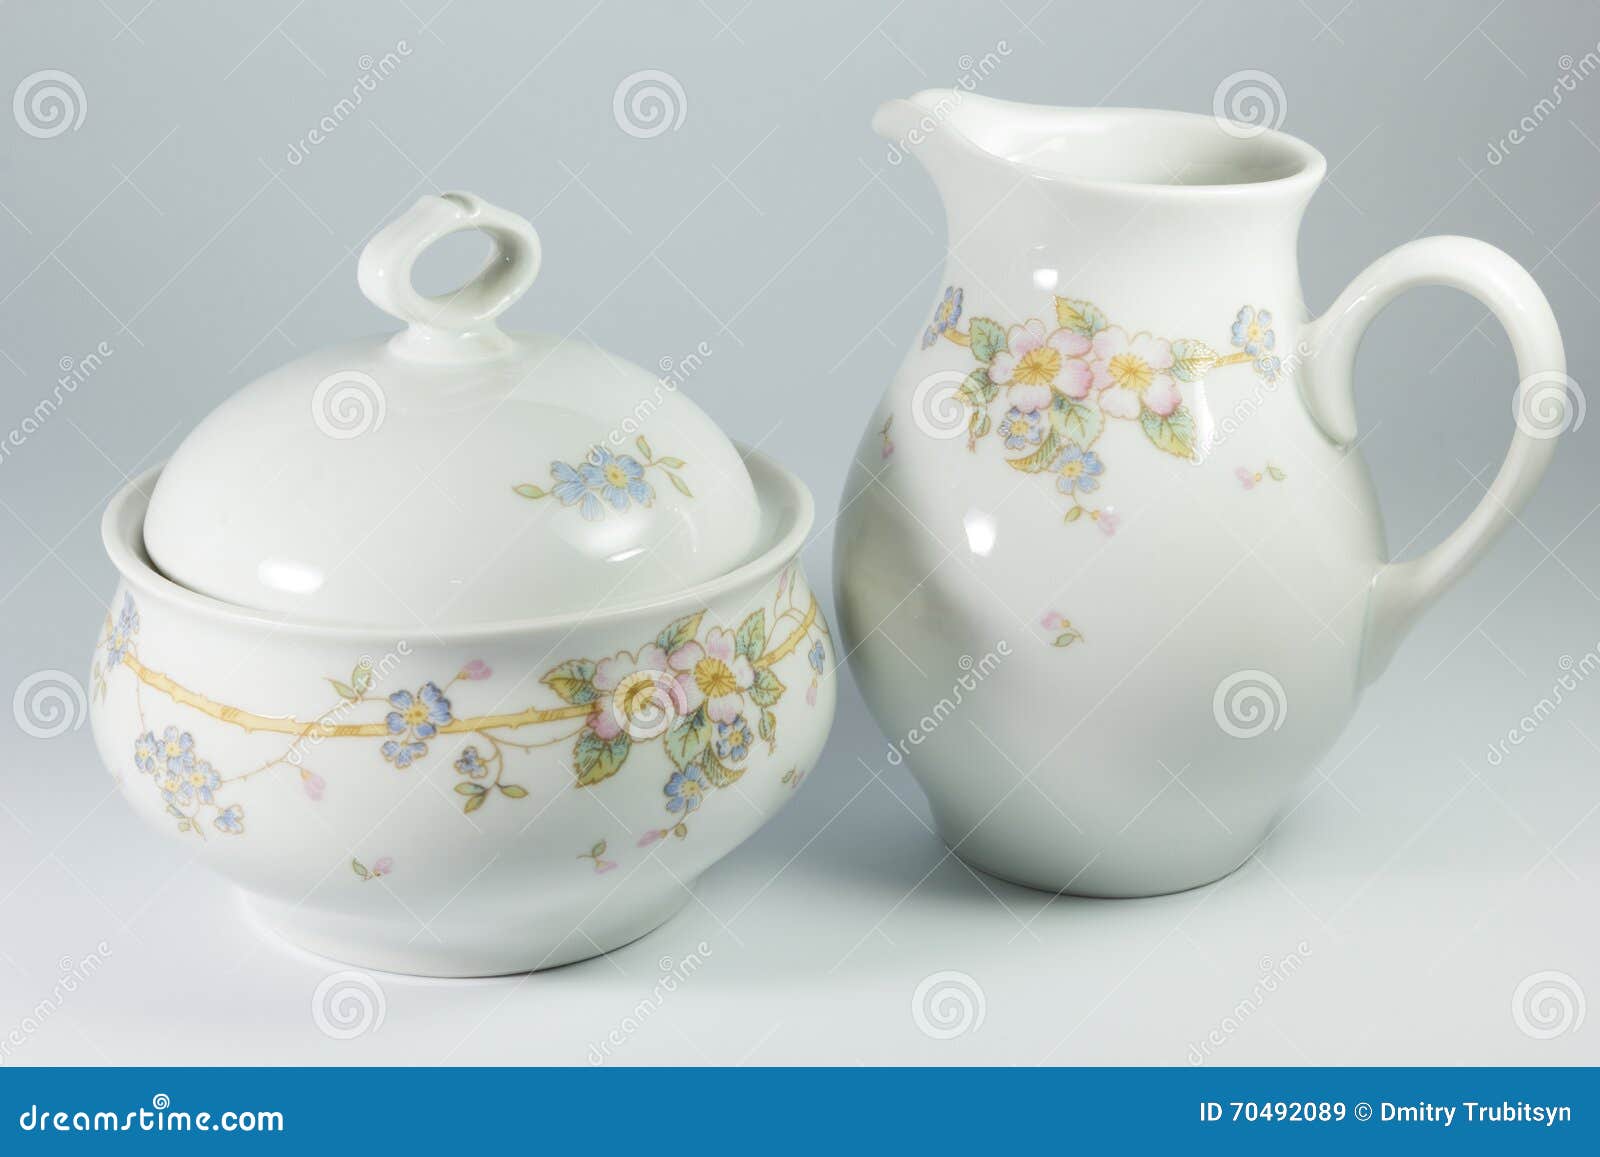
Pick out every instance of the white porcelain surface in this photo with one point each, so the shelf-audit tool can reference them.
(1109, 649)
(452, 473)
(474, 800)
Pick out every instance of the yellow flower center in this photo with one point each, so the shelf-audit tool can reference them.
(1131, 372)
(1073, 469)
(196, 778)
(416, 713)
(1254, 332)
(1037, 367)
(690, 788)
(714, 678)
(174, 749)
(616, 475)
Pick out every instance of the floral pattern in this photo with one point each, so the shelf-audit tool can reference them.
(705, 692)
(606, 479)
(381, 867)
(944, 317)
(1250, 479)
(596, 855)
(1061, 380)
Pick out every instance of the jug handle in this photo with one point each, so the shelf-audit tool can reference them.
(1401, 590)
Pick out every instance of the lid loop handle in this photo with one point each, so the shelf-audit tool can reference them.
(456, 326)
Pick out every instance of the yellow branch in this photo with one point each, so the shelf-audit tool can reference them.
(324, 728)
(958, 337)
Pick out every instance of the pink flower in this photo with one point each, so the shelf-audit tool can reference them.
(714, 674)
(1245, 477)
(651, 837)
(383, 867)
(601, 867)
(1035, 362)
(1051, 620)
(636, 692)
(1108, 521)
(1133, 372)
(477, 669)
(811, 694)
(313, 784)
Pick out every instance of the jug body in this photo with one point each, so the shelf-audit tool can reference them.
(1104, 577)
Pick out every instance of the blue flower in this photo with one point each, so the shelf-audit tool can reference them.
(945, 316)
(818, 656)
(230, 820)
(123, 630)
(1078, 469)
(617, 478)
(1268, 368)
(686, 789)
(418, 716)
(733, 741)
(572, 490)
(145, 751)
(201, 783)
(1018, 429)
(470, 763)
(177, 750)
(401, 754)
(1252, 331)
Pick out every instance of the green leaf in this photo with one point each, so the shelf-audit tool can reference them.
(1275, 474)
(1074, 514)
(513, 791)
(1078, 422)
(718, 775)
(599, 849)
(573, 681)
(978, 390)
(675, 463)
(767, 688)
(465, 788)
(978, 426)
(679, 485)
(768, 726)
(988, 338)
(1192, 360)
(1174, 434)
(1068, 637)
(597, 760)
(688, 737)
(529, 490)
(473, 804)
(644, 447)
(344, 690)
(359, 869)
(1081, 317)
(752, 637)
(361, 677)
(1042, 458)
(676, 633)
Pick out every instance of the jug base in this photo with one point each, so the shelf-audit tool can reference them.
(1110, 885)
(503, 946)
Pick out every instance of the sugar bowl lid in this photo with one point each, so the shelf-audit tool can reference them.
(453, 473)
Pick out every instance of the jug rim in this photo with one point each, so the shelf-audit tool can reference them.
(1273, 163)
